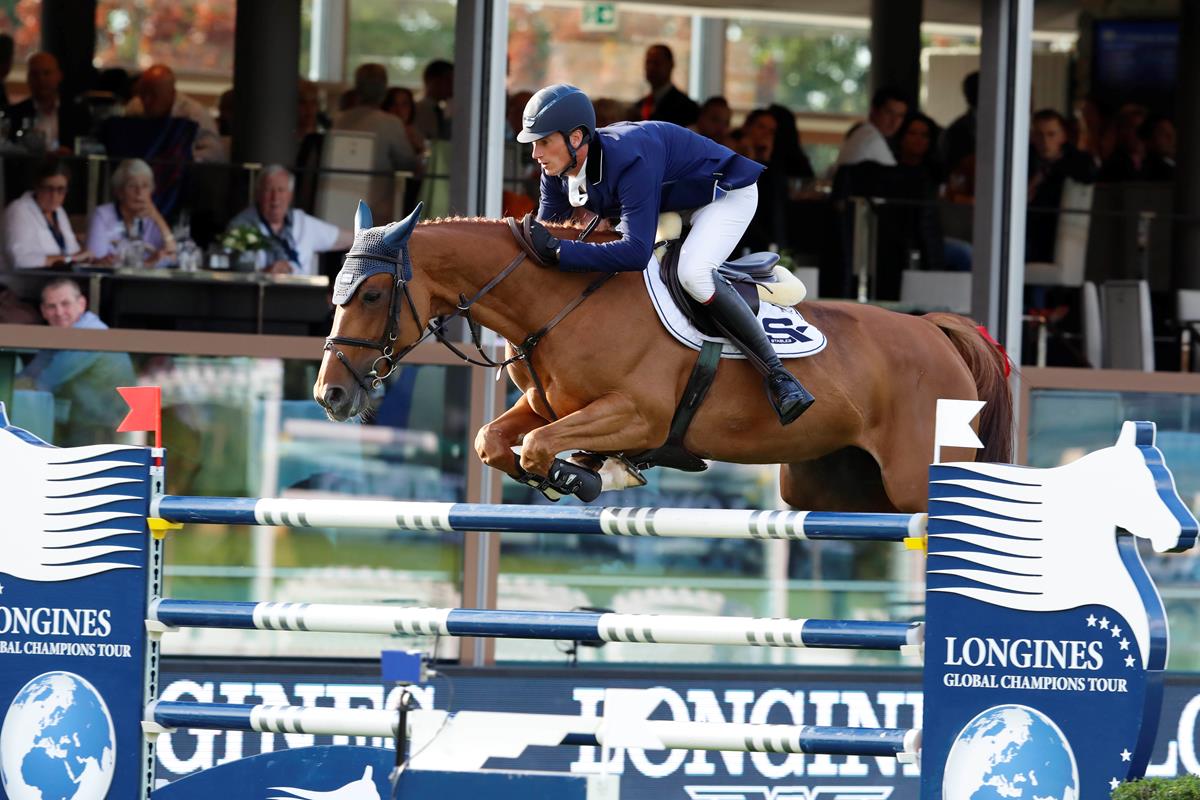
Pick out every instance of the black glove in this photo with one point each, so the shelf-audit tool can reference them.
(545, 245)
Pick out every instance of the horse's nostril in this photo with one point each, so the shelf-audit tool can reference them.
(335, 396)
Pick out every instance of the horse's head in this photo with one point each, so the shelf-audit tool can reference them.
(1140, 491)
(375, 321)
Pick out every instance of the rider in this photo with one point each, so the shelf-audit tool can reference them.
(635, 170)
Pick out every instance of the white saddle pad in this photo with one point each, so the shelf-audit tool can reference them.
(786, 330)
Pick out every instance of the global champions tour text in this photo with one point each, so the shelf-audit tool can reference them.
(1039, 654)
(73, 622)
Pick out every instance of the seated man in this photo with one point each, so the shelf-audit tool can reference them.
(293, 236)
(58, 123)
(157, 98)
(85, 381)
(869, 140)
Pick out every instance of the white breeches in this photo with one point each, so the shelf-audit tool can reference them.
(716, 230)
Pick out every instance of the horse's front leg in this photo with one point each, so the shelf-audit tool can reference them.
(611, 424)
(495, 441)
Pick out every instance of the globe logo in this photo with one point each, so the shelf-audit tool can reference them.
(1010, 752)
(58, 741)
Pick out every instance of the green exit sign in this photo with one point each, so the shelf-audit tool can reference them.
(599, 17)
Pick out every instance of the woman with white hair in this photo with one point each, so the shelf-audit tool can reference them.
(131, 218)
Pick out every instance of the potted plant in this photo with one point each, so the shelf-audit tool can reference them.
(245, 242)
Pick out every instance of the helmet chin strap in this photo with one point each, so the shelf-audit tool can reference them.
(573, 153)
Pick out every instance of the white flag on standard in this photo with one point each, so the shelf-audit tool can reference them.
(953, 425)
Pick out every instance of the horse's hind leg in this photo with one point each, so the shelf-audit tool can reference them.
(495, 440)
(845, 480)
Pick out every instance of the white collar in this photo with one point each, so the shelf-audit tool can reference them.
(577, 187)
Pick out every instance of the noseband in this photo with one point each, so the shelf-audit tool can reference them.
(401, 273)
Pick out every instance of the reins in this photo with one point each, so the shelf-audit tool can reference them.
(437, 327)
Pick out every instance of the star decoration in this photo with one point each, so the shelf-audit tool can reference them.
(1129, 661)
(1124, 644)
(1104, 623)
(1091, 620)
(1126, 755)
(1116, 631)
(1113, 784)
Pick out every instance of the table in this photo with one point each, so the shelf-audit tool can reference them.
(222, 300)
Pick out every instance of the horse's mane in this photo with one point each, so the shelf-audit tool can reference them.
(570, 225)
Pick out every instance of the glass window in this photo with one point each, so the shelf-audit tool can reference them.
(404, 37)
(248, 427)
(192, 36)
(806, 68)
(546, 45)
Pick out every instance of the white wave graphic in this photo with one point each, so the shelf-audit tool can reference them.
(361, 789)
(56, 509)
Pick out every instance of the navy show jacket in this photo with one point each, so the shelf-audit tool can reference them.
(635, 170)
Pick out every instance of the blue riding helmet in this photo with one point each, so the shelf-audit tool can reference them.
(560, 108)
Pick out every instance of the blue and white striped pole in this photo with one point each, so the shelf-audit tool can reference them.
(542, 729)
(562, 625)
(701, 523)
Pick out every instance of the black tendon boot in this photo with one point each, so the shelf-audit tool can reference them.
(738, 322)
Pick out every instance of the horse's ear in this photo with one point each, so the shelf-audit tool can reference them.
(399, 232)
(362, 217)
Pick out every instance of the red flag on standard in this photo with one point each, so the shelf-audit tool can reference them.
(145, 410)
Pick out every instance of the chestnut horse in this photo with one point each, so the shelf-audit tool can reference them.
(614, 375)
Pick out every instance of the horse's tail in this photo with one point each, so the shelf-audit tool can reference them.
(989, 366)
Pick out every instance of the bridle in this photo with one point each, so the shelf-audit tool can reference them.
(401, 271)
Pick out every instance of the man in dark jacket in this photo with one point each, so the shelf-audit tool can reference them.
(58, 121)
(1052, 160)
(665, 103)
(634, 171)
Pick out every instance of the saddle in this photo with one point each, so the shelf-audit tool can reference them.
(756, 278)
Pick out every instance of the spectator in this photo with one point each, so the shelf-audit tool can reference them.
(1095, 132)
(957, 143)
(38, 231)
(225, 113)
(400, 103)
(434, 113)
(665, 103)
(309, 118)
(714, 119)
(868, 142)
(914, 147)
(757, 136)
(1053, 160)
(1129, 155)
(131, 217)
(788, 157)
(1158, 133)
(6, 63)
(293, 236)
(157, 98)
(393, 151)
(56, 123)
(84, 381)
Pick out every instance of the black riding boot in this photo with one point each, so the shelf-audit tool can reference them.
(738, 322)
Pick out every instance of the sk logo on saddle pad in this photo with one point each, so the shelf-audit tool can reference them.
(1046, 639)
(788, 332)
